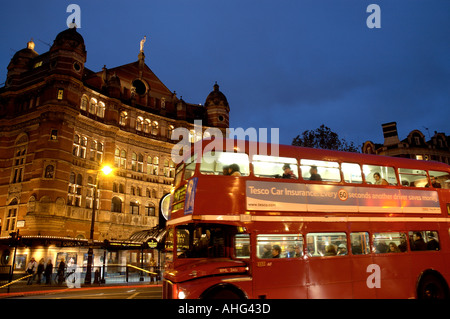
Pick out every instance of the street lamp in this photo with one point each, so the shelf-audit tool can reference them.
(106, 170)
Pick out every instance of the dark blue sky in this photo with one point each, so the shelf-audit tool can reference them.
(288, 64)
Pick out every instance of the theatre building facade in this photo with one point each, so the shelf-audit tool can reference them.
(60, 124)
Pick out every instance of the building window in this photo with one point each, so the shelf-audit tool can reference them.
(116, 205)
(96, 151)
(11, 219)
(147, 126)
(19, 164)
(123, 118)
(150, 210)
(101, 110)
(170, 131)
(155, 128)
(139, 123)
(74, 192)
(92, 106)
(79, 146)
(84, 103)
(134, 208)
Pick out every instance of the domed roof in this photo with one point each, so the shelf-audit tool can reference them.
(216, 97)
(24, 56)
(69, 39)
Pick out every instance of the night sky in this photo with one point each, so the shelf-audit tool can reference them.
(287, 64)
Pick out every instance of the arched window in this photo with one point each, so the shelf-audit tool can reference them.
(155, 128)
(116, 205)
(170, 129)
(101, 110)
(84, 103)
(139, 123)
(147, 126)
(123, 118)
(92, 106)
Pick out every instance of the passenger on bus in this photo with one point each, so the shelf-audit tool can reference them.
(342, 250)
(276, 251)
(225, 170)
(298, 251)
(419, 243)
(381, 247)
(233, 170)
(432, 243)
(393, 248)
(314, 175)
(403, 246)
(267, 251)
(379, 180)
(330, 250)
(434, 183)
(290, 252)
(288, 173)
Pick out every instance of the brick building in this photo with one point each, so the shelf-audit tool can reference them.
(61, 122)
(415, 145)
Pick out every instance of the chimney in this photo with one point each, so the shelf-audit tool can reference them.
(390, 133)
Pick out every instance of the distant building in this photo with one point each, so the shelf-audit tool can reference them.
(60, 122)
(414, 146)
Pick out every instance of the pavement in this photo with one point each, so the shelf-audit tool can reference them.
(21, 288)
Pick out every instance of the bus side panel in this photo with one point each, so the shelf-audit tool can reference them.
(279, 279)
(330, 277)
(362, 274)
(395, 276)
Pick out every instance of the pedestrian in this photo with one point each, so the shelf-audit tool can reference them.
(31, 270)
(40, 270)
(61, 271)
(48, 272)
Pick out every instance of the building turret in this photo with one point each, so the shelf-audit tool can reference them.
(21, 62)
(217, 108)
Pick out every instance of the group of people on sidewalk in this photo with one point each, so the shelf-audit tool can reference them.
(35, 269)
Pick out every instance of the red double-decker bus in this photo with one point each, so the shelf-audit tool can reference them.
(306, 223)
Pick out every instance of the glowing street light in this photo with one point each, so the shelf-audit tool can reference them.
(106, 170)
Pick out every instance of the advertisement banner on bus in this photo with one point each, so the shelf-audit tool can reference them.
(275, 196)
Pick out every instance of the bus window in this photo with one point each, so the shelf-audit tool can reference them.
(242, 245)
(215, 163)
(352, 173)
(320, 170)
(279, 246)
(326, 244)
(379, 175)
(424, 240)
(178, 174)
(190, 167)
(360, 243)
(413, 177)
(439, 179)
(392, 242)
(274, 167)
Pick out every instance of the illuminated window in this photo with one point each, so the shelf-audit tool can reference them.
(225, 163)
(352, 173)
(413, 177)
(379, 175)
(101, 110)
(326, 244)
(274, 167)
(139, 123)
(391, 242)
(84, 103)
(320, 170)
(155, 128)
(123, 118)
(279, 246)
(92, 106)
